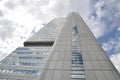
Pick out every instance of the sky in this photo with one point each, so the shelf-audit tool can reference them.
(20, 19)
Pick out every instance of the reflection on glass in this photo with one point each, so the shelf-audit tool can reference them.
(21, 63)
(28, 53)
(30, 57)
(20, 71)
(77, 71)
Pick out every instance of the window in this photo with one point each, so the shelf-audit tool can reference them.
(39, 43)
(75, 50)
(78, 72)
(22, 48)
(4, 79)
(32, 49)
(21, 63)
(19, 71)
(77, 76)
(31, 64)
(75, 57)
(29, 57)
(25, 53)
(22, 53)
(79, 65)
(78, 79)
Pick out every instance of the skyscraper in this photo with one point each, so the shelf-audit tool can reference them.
(65, 49)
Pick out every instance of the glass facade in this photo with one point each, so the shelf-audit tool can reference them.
(20, 71)
(30, 57)
(25, 57)
(77, 72)
(21, 63)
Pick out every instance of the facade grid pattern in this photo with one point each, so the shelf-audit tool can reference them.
(74, 54)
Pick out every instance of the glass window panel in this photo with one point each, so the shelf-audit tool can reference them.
(78, 72)
(79, 79)
(77, 76)
(41, 53)
(77, 63)
(80, 65)
(33, 49)
(22, 53)
(76, 57)
(76, 53)
(22, 63)
(3, 70)
(22, 48)
(4, 79)
(19, 71)
(41, 58)
(77, 68)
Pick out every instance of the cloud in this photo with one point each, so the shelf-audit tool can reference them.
(104, 17)
(17, 23)
(113, 45)
(96, 26)
(6, 29)
(77, 5)
(3, 55)
(118, 29)
(1, 13)
(116, 61)
(10, 4)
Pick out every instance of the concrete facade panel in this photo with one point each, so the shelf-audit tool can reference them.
(116, 75)
(109, 75)
(59, 65)
(88, 65)
(86, 56)
(52, 65)
(104, 65)
(100, 75)
(65, 75)
(57, 75)
(90, 75)
(96, 65)
(49, 75)
(67, 65)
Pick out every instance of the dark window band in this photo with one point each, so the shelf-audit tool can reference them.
(38, 43)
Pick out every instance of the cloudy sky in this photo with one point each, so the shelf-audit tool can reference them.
(19, 19)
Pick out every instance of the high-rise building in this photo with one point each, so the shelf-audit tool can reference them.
(65, 49)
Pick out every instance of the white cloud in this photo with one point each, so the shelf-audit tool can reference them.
(105, 15)
(1, 14)
(118, 29)
(116, 61)
(16, 25)
(113, 45)
(93, 18)
(108, 46)
(2, 55)
(96, 26)
(6, 29)
(23, 16)
(98, 8)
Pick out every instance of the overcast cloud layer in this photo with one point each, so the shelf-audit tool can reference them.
(19, 19)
